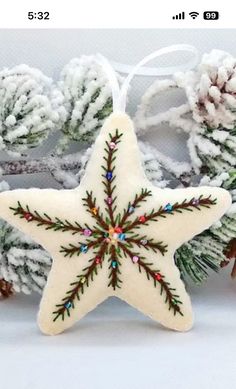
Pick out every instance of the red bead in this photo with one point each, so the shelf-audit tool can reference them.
(118, 230)
(142, 219)
(98, 260)
(158, 276)
(28, 216)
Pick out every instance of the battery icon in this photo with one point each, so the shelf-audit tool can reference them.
(211, 15)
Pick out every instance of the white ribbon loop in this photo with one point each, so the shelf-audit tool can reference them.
(119, 95)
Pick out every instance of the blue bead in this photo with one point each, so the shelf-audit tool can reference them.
(83, 248)
(109, 176)
(114, 264)
(68, 305)
(168, 207)
(131, 209)
(121, 236)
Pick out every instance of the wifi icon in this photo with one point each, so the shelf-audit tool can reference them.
(193, 14)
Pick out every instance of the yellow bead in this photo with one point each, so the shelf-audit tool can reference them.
(94, 211)
(82, 280)
(111, 231)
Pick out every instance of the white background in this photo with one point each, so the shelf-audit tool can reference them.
(115, 346)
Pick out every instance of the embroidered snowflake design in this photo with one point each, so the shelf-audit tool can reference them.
(114, 236)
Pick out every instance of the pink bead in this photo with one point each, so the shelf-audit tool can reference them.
(112, 145)
(87, 232)
(135, 259)
(109, 200)
(195, 202)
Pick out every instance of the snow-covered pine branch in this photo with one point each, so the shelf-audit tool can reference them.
(175, 117)
(30, 108)
(88, 102)
(163, 170)
(22, 262)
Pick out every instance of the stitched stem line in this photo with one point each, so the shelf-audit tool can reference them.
(90, 203)
(72, 249)
(162, 212)
(109, 168)
(135, 204)
(45, 220)
(114, 267)
(79, 286)
(158, 278)
(149, 244)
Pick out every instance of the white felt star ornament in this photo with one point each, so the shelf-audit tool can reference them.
(114, 235)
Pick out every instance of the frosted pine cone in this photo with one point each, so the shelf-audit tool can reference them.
(211, 90)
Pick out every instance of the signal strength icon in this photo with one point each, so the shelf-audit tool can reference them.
(180, 16)
(193, 14)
